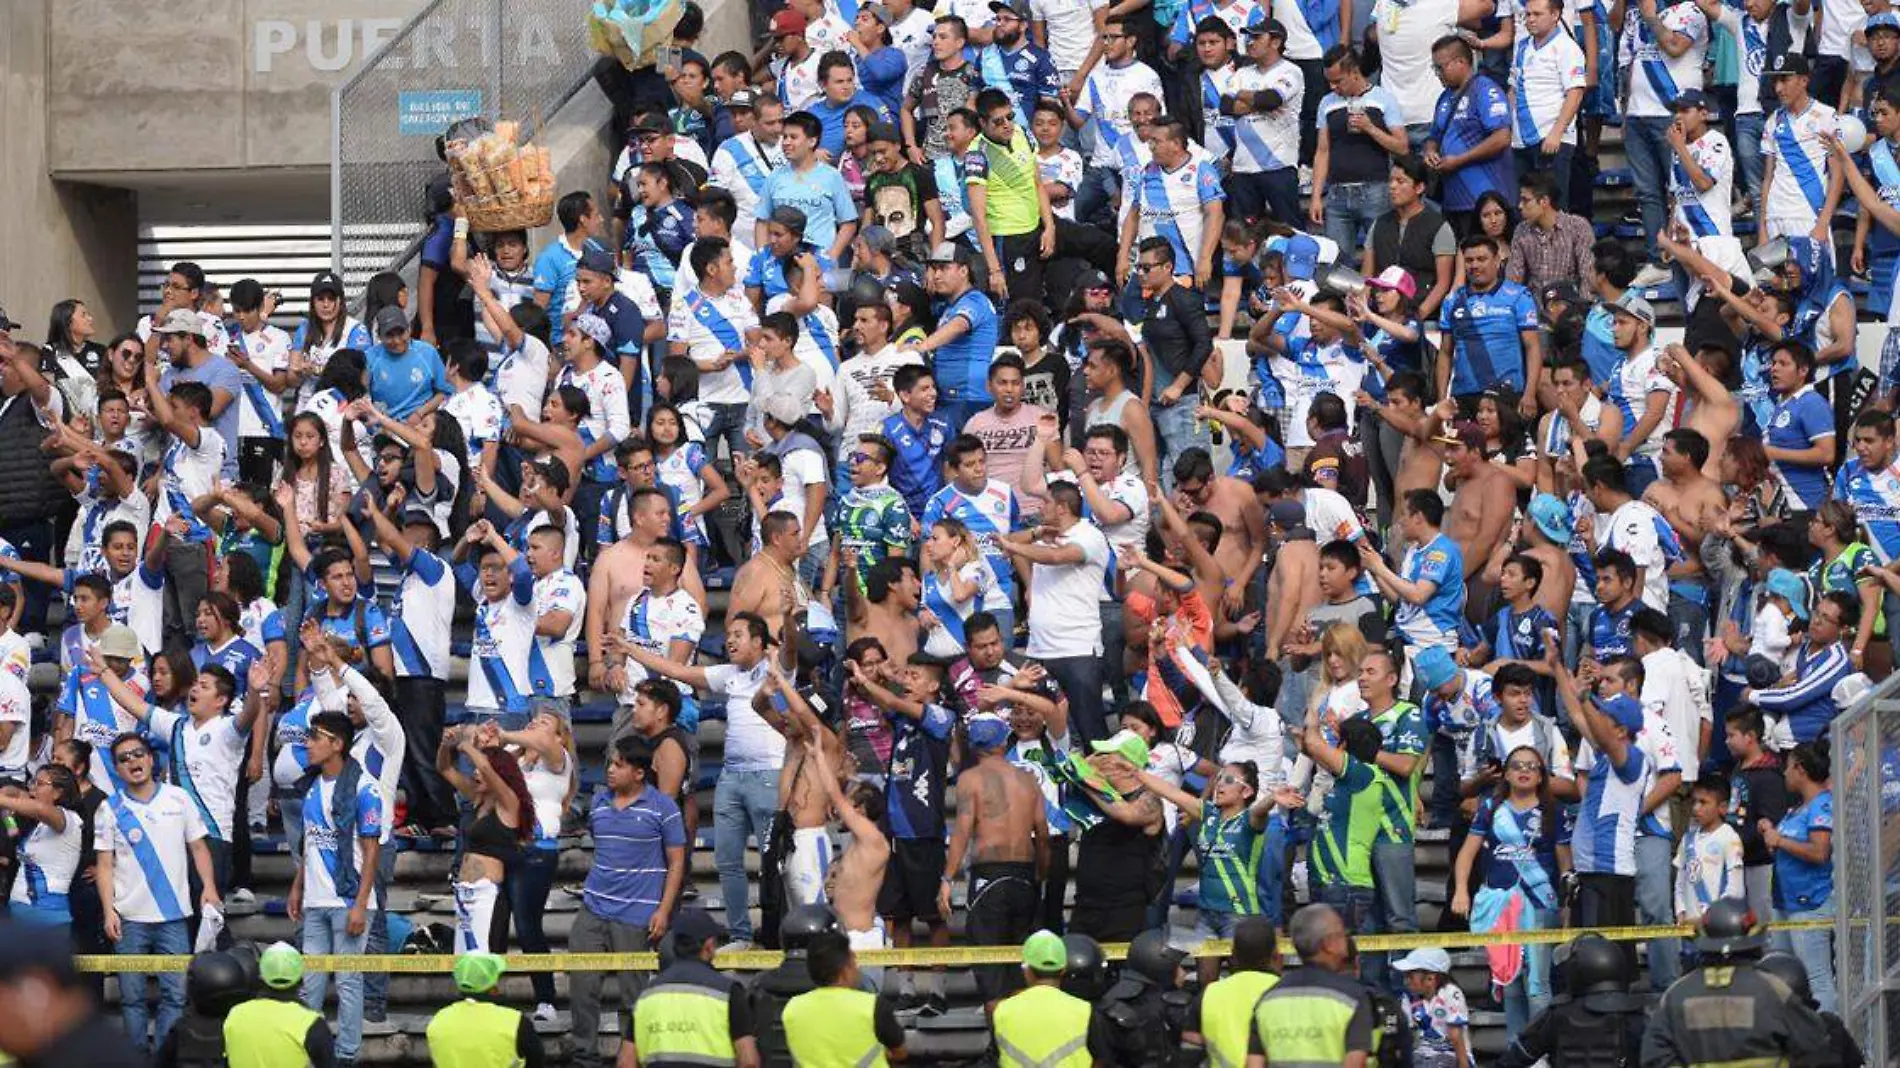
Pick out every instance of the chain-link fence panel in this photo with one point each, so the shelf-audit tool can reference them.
(1866, 785)
(457, 59)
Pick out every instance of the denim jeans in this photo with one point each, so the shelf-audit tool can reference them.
(1356, 905)
(376, 984)
(1178, 432)
(1351, 209)
(1094, 199)
(728, 423)
(169, 938)
(1529, 993)
(1656, 903)
(327, 931)
(1274, 193)
(743, 804)
(1646, 144)
(1395, 886)
(1081, 680)
(1532, 161)
(1815, 950)
(1689, 618)
(1748, 130)
(528, 887)
(1443, 803)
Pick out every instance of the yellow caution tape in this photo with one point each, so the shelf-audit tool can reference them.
(957, 956)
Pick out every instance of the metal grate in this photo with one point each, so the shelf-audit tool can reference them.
(513, 59)
(282, 257)
(1866, 783)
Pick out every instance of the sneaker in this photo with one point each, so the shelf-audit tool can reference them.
(1651, 275)
(241, 896)
(544, 1013)
(1743, 211)
(737, 945)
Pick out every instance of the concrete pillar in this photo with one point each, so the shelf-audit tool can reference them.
(57, 239)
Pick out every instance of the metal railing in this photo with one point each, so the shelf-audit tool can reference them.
(1866, 783)
(514, 59)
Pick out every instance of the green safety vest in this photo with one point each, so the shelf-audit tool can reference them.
(832, 1027)
(1042, 1027)
(1304, 1026)
(683, 1023)
(1227, 1015)
(267, 1033)
(475, 1034)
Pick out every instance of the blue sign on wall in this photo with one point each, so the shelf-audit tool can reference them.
(427, 112)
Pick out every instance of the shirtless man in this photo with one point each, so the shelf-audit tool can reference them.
(768, 583)
(1546, 535)
(619, 575)
(802, 793)
(1421, 459)
(1689, 500)
(1243, 526)
(1713, 411)
(886, 609)
(1002, 831)
(1480, 513)
(853, 883)
(1292, 590)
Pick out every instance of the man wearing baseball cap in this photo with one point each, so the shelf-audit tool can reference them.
(1041, 1024)
(798, 83)
(479, 1030)
(1704, 173)
(1646, 397)
(1799, 193)
(1266, 100)
(1603, 849)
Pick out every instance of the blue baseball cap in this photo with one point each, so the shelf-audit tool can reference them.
(988, 732)
(1627, 711)
(1435, 667)
(1551, 516)
(1886, 20)
(1696, 98)
(1785, 583)
(1302, 257)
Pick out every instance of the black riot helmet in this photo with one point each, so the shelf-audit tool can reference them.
(1789, 969)
(216, 983)
(1598, 966)
(1150, 956)
(1087, 974)
(1730, 929)
(804, 923)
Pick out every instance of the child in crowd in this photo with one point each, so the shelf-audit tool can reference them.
(1441, 1035)
(1709, 858)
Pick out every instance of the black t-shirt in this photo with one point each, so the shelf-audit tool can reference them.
(1356, 157)
(897, 200)
(1046, 384)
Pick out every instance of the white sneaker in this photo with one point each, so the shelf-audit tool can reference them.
(1651, 275)
(241, 896)
(544, 1013)
(737, 945)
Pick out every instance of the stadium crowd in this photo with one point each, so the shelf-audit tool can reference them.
(1164, 427)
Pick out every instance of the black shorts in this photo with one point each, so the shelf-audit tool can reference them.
(912, 879)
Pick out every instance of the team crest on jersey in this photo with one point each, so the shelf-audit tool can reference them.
(135, 835)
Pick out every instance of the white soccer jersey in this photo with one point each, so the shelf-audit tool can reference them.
(740, 166)
(151, 853)
(207, 768)
(553, 669)
(654, 623)
(1655, 79)
(1794, 143)
(1105, 98)
(1269, 141)
(711, 327)
(1542, 73)
(1707, 213)
(421, 616)
(260, 412)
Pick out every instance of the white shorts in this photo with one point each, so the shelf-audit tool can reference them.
(874, 938)
(474, 914)
(807, 866)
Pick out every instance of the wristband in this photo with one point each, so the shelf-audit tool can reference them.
(461, 228)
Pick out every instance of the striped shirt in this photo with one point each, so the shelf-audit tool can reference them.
(630, 843)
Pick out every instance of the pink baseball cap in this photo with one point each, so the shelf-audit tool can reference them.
(1396, 278)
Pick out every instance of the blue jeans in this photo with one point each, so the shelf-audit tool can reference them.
(1529, 993)
(1655, 903)
(1356, 905)
(1179, 431)
(1351, 209)
(168, 938)
(1815, 950)
(1748, 130)
(1395, 886)
(327, 931)
(1274, 193)
(1646, 144)
(743, 804)
(528, 887)
(1270, 877)
(376, 984)
(1532, 160)
(728, 424)
(1094, 199)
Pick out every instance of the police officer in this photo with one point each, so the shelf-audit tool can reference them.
(275, 1030)
(1729, 1011)
(1086, 974)
(1789, 969)
(1039, 1026)
(1317, 1013)
(1598, 1024)
(838, 1025)
(773, 990)
(1223, 1013)
(1139, 1021)
(477, 1032)
(214, 984)
(691, 1014)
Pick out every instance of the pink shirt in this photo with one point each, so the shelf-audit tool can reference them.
(1007, 441)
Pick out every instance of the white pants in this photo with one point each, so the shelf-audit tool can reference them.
(875, 938)
(474, 914)
(806, 868)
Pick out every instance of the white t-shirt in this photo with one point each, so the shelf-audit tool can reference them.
(1707, 213)
(1542, 74)
(1637, 376)
(16, 707)
(854, 410)
(1655, 78)
(214, 756)
(259, 409)
(188, 472)
(521, 377)
(1064, 614)
(1406, 34)
(1794, 142)
(1269, 141)
(751, 744)
(1840, 20)
(1632, 529)
(49, 859)
(802, 468)
(1071, 26)
(561, 591)
(151, 853)
(1669, 690)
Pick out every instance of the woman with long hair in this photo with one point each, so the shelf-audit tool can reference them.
(172, 675)
(503, 824)
(683, 467)
(386, 289)
(1803, 844)
(1497, 220)
(855, 161)
(1505, 443)
(49, 849)
(958, 583)
(325, 328)
(1520, 830)
(660, 229)
(910, 312)
(1229, 827)
(71, 358)
(124, 372)
(546, 756)
(345, 377)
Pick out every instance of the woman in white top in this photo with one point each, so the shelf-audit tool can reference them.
(546, 747)
(49, 854)
(958, 583)
(325, 329)
(1336, 699)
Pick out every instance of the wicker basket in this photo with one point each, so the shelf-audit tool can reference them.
(488, 218)
(501, 185)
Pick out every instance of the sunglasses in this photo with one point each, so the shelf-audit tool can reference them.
(1524, 765)
(131, 755)
(862, 458)
(1154, 266)
(1228, 778)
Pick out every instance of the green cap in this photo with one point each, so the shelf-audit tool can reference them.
(1126, 744)
(280, 966)
(477, 973)
(1045, 953)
